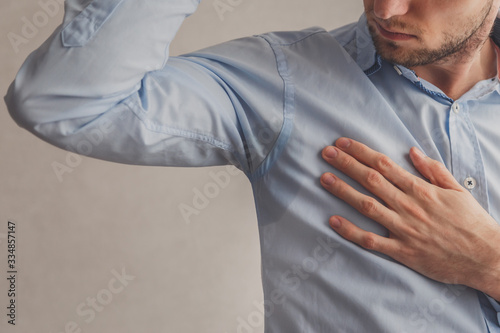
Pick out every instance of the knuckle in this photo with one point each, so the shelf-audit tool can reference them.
(437, 164)
(368, 241)
(426, 195)
(373, 178)
(340, 189)
(414, 184)
(368, 206)
(415, 211)
(347, 233)
(408, 254)
(383, 163)
(403, 254)
(360, 149)
(422, 191)
(346, 163)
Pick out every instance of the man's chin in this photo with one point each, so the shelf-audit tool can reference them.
(391, 52)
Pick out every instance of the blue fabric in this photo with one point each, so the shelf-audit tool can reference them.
(269, 104)
(88, 22)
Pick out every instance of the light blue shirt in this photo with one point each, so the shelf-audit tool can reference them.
(102, 85)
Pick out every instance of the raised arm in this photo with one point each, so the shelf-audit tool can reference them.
(105, 74)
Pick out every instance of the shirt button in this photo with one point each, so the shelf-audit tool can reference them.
(470, 183)
(456, 108)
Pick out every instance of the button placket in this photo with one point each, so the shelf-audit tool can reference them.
(467, 162)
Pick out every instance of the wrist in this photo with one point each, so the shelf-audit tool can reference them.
(487, 279)
(491, 286)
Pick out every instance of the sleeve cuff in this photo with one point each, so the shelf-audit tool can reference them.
(496, 305)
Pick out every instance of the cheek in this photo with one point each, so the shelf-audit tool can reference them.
(437, 29)
(435, 36)
(368, 4)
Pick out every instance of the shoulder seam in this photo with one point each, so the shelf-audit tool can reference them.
(272, 42)
(288, 111)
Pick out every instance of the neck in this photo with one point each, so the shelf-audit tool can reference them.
(459, 73)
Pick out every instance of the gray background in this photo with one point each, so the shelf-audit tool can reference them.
(190, 275)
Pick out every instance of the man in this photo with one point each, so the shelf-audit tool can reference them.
(409, 73)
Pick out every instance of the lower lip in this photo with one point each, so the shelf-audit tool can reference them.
(393, 35)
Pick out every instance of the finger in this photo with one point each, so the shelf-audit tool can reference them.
(378, 161)
(433, 170)
(364, 204)
(369, 178)
(363, 238)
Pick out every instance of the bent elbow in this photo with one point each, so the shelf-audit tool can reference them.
(50, 113)
(18, 105)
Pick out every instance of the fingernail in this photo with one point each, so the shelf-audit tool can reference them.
(328, 179)
(335, 222)
(418, 152)
(343, 143)
(331, 152)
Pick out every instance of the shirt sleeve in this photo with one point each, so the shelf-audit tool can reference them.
(496, 307)
(104, 86)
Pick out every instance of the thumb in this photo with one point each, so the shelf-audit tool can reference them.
(433, 170)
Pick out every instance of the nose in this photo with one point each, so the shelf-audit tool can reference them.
(385, 9)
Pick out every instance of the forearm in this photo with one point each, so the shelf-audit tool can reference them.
(487, 279)
(102, 53)
(115, 97)
(489, 285)
(492, 287)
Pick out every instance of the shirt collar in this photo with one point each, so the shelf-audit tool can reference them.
(496, 31)
(366, 55)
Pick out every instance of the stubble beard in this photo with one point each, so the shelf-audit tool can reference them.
(455, 48)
